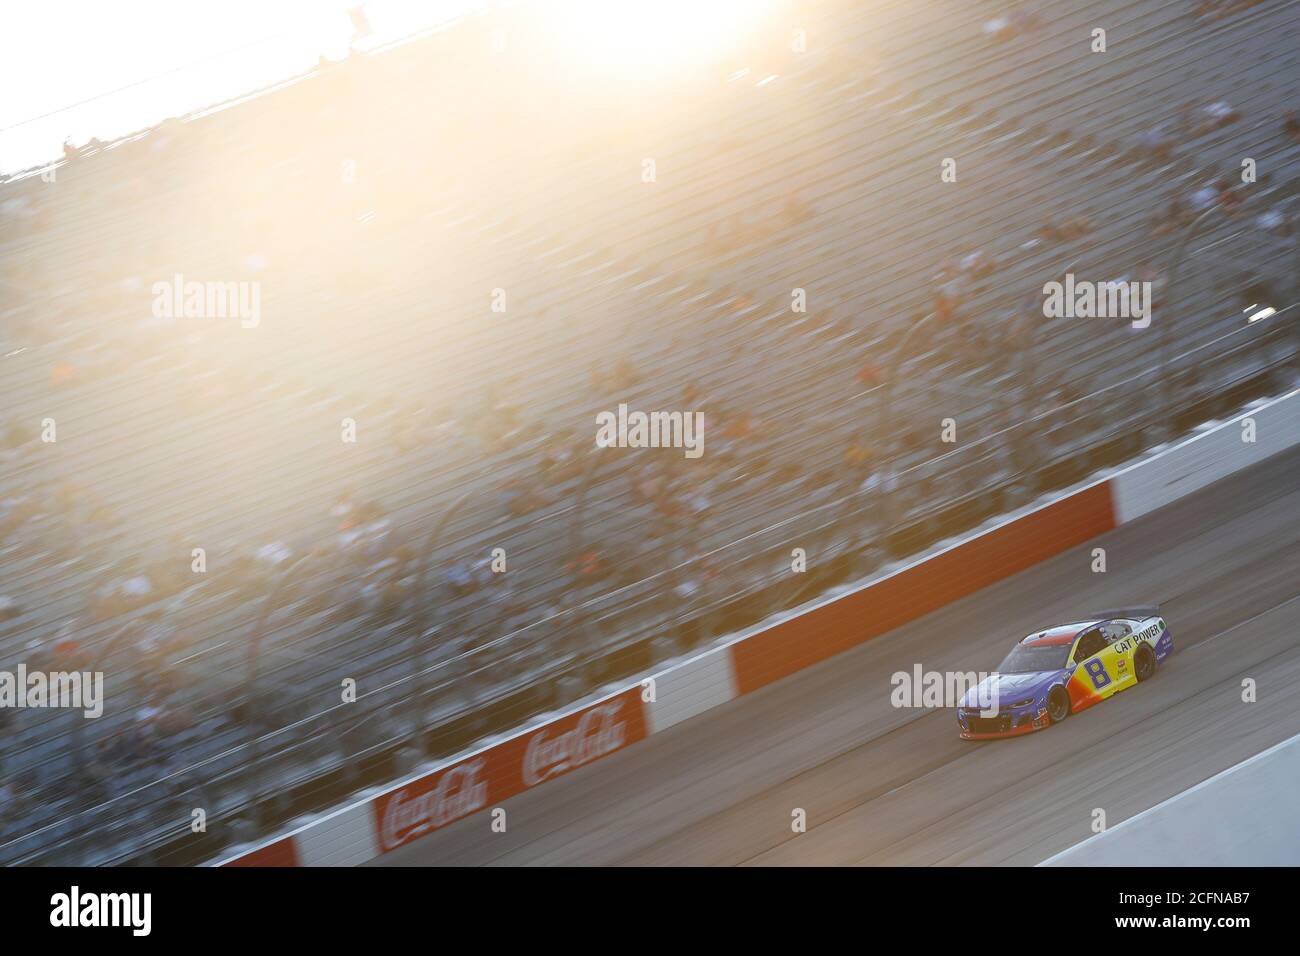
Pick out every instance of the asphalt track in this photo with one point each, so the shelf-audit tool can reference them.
(896, 786)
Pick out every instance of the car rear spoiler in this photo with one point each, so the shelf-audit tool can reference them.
(1132, 613)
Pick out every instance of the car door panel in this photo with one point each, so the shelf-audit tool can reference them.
(1117, 657)
(1092, 679)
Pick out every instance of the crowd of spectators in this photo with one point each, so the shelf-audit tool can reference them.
(140, 596)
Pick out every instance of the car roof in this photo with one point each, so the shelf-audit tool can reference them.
(1061, 634)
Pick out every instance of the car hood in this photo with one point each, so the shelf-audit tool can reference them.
(1009, 688)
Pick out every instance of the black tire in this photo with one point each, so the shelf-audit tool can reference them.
(1144, 663)
(1058, 704)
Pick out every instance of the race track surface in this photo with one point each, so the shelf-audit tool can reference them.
(896, 786)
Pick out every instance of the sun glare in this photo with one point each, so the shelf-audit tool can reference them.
(631, 36)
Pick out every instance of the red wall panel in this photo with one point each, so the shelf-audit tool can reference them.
(916, 591)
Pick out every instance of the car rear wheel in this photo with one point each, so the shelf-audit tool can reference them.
(1144, 662)
(1058, 704)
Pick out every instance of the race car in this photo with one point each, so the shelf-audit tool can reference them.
(1054, 673)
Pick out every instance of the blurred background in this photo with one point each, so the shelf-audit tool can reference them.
(472, 227)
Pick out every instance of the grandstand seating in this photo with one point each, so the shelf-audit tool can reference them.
(376, 307)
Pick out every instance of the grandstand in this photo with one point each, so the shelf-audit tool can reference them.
(385, 204)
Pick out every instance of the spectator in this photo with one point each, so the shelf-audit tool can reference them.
(1229, 199)
(460, 578)
(1174, 217)
(1204, 198)
(1291, 126)
(1160, 142)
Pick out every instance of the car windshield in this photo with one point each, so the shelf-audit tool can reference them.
(1027, 658)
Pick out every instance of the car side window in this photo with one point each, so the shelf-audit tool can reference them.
(1116, 631)
(1090, 643)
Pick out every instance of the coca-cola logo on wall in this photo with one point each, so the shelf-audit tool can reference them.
(426, 805)
(510, 767)
(599, 731)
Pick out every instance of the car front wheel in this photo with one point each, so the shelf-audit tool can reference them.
(1058, 704)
